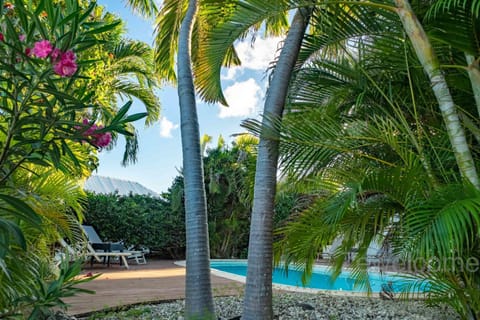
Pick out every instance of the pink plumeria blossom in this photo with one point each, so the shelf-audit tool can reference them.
(42, 48)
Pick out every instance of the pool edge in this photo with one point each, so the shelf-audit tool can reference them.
(282, 287)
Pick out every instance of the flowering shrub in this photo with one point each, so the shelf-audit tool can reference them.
(43, 98)
(64, 63)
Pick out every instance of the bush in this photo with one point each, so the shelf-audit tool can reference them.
(137, 220)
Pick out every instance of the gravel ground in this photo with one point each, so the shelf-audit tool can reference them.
(298, 306)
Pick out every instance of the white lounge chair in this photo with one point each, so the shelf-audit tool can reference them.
(98, 248)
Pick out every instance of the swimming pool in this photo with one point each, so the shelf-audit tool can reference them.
(320, 279)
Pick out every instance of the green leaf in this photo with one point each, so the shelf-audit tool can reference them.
(66, 149)
(121, 113)
(10, 230)
(104, 28)
(134, 117)
(87, 12)
(25, 211)
(55, 155)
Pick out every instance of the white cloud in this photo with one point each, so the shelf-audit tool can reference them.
(243, 99)
(230, 73)
(260, 55)
(166, 127)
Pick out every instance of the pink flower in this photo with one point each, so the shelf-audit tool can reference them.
(98, 139)
(69, 55)
(2, 38)
(102, 139)
(66, 66)
(28, 52)
(42, 48)
(56, 53)
(21, 37)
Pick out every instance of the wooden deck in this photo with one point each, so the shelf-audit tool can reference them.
(155, 281)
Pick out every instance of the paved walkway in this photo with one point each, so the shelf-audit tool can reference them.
(155, 281)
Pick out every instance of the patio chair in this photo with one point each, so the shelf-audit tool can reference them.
(98, 248)
(87, 251)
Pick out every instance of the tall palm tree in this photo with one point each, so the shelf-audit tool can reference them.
(258, 292)
(199, 298)
(177, 35)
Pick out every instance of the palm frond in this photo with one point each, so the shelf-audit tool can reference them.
(148, 98)
(442, 6)
(146, 8)
(444, 224)
(338, 26)
(455, 25)
(167, 25)
(220, 39)
(131, 148)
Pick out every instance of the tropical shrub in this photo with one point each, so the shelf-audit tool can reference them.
(137, 220)
(229, 182)
(49, 136)
(47, 295)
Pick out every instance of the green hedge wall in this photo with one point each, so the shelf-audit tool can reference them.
(137, 220)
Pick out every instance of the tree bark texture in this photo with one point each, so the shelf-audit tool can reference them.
(258, 292)
(430, 64)
(198, 289)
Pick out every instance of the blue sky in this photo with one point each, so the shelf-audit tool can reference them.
(160, 152)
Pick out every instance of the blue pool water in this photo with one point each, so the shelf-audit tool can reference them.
(320, 278)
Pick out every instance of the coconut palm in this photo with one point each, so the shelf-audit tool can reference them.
(175, 39)
(258, 292)
(198, 253)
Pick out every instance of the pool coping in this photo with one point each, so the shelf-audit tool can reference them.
(283, 287)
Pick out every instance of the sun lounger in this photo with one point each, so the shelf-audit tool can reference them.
(98, 249)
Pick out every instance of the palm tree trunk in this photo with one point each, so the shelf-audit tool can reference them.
(258, 292)
(429, 61)
(474, 75)
(198, 289)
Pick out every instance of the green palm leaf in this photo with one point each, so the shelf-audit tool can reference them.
(212, 53)
(445, 224)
